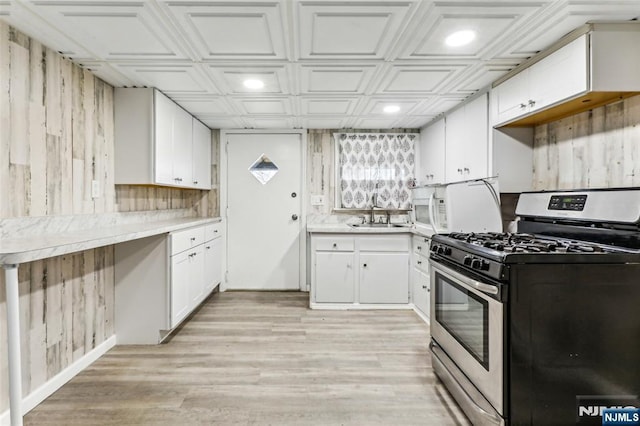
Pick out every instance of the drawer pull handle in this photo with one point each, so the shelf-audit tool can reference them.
(208, 247)
(335, 245)
(424, 286)
(419, 247)
(215, 231)
(193, 238)
(365, 265)
(419, 262)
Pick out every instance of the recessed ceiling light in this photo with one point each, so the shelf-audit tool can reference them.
(460, 38)
(390, 109)
(253, 83)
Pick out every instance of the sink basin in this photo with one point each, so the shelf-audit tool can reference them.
(376, 225)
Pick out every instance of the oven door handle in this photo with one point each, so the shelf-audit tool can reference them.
(484, 288)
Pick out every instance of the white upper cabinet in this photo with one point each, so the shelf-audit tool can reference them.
(591, 70)
(467, 141)
(559, 76)
(201, 150)
(157, 143)
(431, 154)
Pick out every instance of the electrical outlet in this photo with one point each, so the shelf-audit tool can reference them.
(317, 200)
(95, 189)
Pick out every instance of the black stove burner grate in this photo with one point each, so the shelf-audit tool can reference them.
(525, 243)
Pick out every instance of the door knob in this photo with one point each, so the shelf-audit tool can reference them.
(294, 216)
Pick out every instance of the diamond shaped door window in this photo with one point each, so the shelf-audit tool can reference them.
(263, 169)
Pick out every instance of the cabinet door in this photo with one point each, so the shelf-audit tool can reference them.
(180, 267)
(182, 148)
(475, 141)
(334, 277)
(454, 148)
(196, 276)
(201, 156)
(559, 76)
(511, 97)
(163, 128)
(421, 291)
(384, 277)
(432, 150)
(213, 264)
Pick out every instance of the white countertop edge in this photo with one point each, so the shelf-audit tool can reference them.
(343, 228)
(20, 250)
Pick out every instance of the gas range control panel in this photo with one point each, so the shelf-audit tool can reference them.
(567, 202)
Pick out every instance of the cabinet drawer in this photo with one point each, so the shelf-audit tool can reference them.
(212, 231)
(184, 240)
(421, 245)
(334, 243)
(421, 263)
(384, 243)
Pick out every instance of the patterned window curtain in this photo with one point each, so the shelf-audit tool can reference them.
(376, 165)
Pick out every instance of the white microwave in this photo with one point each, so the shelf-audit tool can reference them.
(471, 206)
(430, 208)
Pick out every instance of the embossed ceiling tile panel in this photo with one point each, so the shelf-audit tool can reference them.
(313, 122)
(560, 18)
(108, 73)
(327, 79)
(247, 30)
(180, 79)
(231, 78)
(418, 78)
(374, 123)
(351, 29)
(413, 122)
(112, 30)
(375, 105)
(21, 16)
(328, 106)
(204, 106)
(264, 106)
(271, 122)
(492, 22)
(438, 105)
(223, 122)
(481, 77)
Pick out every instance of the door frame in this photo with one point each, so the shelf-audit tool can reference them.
(224, 211)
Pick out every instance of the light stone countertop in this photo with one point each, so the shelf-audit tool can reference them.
(26, 249)
(343, 228)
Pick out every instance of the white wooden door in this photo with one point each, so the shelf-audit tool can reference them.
(454, 147)
(475, 142)
(263, 234)
(182, 147)
(196, 276)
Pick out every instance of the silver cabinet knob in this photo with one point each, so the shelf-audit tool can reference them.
(294, 216)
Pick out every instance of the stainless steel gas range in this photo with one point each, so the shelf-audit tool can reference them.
(542, 326)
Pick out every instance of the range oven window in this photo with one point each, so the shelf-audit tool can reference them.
(465, 316)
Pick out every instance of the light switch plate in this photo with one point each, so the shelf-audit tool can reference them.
(95, 189)
(317, 200)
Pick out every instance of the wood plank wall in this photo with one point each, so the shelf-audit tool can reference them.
(595, 149)
(56, 136)
(321, 164)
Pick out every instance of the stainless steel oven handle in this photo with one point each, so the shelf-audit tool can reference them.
(485, 288)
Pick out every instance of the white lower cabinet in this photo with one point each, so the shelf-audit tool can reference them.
(180, 272)
(160, 280)
(384, 277)
(420, 278)
(335, 277)
(360, 269)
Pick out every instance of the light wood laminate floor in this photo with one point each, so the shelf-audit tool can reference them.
(264, 358)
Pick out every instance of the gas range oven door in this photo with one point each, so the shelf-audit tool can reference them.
(467, 328)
